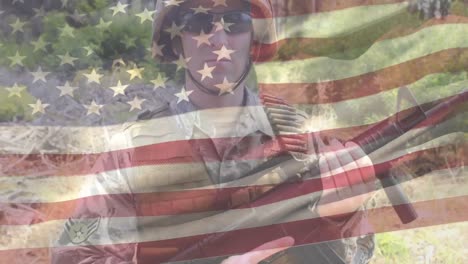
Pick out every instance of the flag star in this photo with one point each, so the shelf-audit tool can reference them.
(203, 38)
(175, 30)
(67, 31)
(182, 62)
(66, 89)
(183, 95)
(225, 87)
(103, 25)
(89, 51)
(206, 72)
(17, 26)
(94, 77)
(221, 25)
(39, 44)
(173, 2)
(38, 107)
(15, 90)
(135, 72)
(223, 53)
(39, 75)
(119, 8)
(128, 41)
(136, 103)
(17, 59)
(160, 81)
(67, 59)
(200, 9)
(146, 15)
(157, 49)
(219, 2)
(93, 108)
(119, 89)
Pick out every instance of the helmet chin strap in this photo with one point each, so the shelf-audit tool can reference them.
(212, 92)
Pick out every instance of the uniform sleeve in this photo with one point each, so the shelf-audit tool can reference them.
(96, 232)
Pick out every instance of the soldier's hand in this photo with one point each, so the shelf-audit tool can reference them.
(347, 175)
(262, 252)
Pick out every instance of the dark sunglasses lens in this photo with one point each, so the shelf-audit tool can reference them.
(239, 22)
(196, 23)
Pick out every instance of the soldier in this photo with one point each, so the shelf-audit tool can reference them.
(214, 41)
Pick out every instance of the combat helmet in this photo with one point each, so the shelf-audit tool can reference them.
(264, 44)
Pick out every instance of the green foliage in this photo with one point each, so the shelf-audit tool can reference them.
(15, 106)
(92, 5)
(392, 248)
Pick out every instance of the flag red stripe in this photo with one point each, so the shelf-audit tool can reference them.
(383, 219)
(450, 60)
(194, 201)
(156, 154)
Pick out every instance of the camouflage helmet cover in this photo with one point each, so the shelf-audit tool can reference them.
(263, 47)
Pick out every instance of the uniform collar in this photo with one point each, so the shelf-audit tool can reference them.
(252, 119)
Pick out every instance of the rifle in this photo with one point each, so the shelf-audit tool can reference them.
(370, 141)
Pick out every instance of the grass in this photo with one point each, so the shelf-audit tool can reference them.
(434, 244)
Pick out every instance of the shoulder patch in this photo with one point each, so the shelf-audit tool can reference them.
(79, 230)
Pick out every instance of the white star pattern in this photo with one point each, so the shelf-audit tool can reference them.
(16, 60)
(17, 26)
(66, 89)
(67, 59)
(119, 8)
(119, 89)
(173, 2)
(39, 75)
(136, 103)
(225, 87)
(94, 77)
(38, 107)
(206, 72)
(159, 82)
(223, 53)
(15, 90)
(183, 95)
(203, 38)
(146, 15)
(182, 62)
(93, 108)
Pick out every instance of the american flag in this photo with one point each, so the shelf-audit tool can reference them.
(76, 74)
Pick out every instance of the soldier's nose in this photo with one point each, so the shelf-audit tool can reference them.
(220, 37)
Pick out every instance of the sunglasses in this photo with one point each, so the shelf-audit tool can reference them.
(235, 22)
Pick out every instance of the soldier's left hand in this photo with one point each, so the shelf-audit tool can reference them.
(348, 177)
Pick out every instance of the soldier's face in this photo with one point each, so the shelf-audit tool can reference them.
(217, 42)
